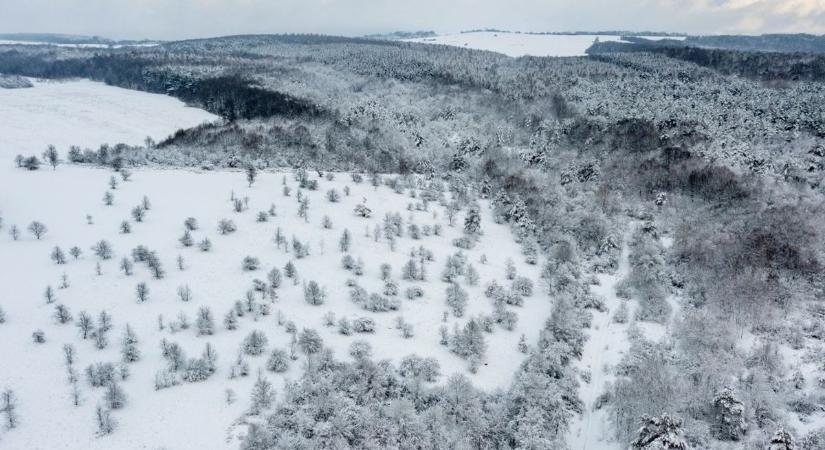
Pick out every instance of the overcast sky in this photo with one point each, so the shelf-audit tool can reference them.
(174, 19)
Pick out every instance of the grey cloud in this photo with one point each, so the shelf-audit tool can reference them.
(174, 19)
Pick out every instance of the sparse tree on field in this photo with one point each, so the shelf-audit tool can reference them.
(155, 266)
(104, 321)
(125, 174)
(226, 226)
(291, 271)
(62, 314)
(180, 262)
(146, 204)
(303, 208)
(102, 249)
(85, 324)
(186, 240)
(251, 174)
(50, 156)
(314, 294)
(58, 256)
(37, 229)
(205, 321)
(125, 227)
(39, 337)
(75, 252)
(105, 422)
(129, 346)
(14, 232)
(112, 182)
(101, 339)
(191, 224)
(250, 263)
(184, 293)
(49, 295)
(333, 196)
(230, 320)
(114, 396)
(255, 343)
(345, 241)
(274, 278)
(8, 406)
(138, 213)
(142, 292)
(108, 198)
(127, 266)
(205, 245)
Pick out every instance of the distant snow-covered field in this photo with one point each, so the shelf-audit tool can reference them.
(521, 44)
(87, 113)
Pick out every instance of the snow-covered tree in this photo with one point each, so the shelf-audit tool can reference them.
(729, 421)
(314, 294)
(660, 433)
(263, 395)
(255, 343)
(129, 345)
(205, 322)
(278, 361)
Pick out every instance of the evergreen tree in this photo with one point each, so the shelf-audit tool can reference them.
(255, 343)
(262, 395)
(730, 422)
(129, 349)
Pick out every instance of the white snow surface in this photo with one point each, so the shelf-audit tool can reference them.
(87, 113)
(521, 44)
(195, 416)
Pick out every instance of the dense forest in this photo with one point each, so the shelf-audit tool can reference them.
(718, 152)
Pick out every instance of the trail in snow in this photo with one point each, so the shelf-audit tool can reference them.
(605, 346)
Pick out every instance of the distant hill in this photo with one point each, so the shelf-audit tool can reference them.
(66, 39)
(785, 43)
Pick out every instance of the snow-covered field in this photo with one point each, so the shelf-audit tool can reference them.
(197, 415)
(521, 44)
(87, 113)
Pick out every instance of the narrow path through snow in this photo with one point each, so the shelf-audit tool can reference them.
(606, 345)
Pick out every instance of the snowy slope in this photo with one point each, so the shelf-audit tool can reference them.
(87, 114)
(519, 44)
(62, 198)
